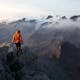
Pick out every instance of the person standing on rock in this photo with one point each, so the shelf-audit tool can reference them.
(17, 40)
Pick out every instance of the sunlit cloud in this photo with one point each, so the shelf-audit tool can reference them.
(20, 10)
(31, 8)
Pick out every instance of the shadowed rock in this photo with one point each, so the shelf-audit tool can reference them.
(30, 67)
(49, 16)
(70, 59)
(74, 18)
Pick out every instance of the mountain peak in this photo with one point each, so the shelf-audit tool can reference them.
(75, 17)
(49, 17)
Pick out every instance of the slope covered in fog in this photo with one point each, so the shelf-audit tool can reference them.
(44, 26)
(44, 30)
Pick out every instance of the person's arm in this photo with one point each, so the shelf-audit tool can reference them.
(21, 39)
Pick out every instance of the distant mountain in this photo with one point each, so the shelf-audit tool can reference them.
(45, 24)
(63, 17)
(42, 29)
(75, 17)
(49, 16)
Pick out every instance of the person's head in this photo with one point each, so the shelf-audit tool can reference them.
(18, 31)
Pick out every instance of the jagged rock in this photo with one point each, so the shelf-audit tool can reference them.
(33, 21)
(49, 16)
(5, 73)
(45, 24)
(63, 17)
(70, 59)
(75, 17)
(40, 76)
(33, 68)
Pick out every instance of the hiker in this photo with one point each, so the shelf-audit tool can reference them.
(17, 40)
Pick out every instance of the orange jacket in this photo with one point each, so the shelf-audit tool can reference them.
(17, 37)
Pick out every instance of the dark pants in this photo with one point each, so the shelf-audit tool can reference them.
(18, 47)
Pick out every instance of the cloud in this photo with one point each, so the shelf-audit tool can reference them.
(38, 7)
(20, 10)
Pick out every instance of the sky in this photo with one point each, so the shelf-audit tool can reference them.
(10, 9)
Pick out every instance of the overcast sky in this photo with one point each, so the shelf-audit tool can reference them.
(35, 8)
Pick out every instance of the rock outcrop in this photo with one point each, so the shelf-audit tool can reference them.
(70, 59)
(29, 66)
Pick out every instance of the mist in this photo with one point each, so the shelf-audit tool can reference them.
(67, 29)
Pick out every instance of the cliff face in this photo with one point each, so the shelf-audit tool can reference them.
(70, 59)
(29, 66)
